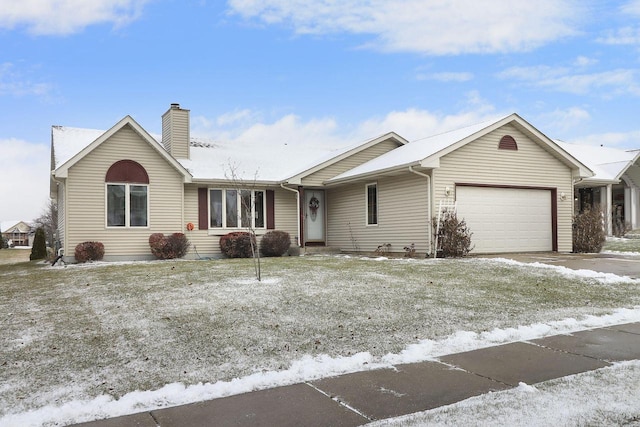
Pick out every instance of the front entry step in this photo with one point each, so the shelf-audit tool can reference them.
(321, 250)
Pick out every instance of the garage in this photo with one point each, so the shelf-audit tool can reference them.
(507, 219)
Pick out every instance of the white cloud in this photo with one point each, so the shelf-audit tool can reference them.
(606, 83)
(622, 140)
(447, 77)
(433, 27)
(622, 36)
(66, 16)
(564, 120)
(14, 82)
(244, 126)
(584, 61)
(24, 189)
(632, 8)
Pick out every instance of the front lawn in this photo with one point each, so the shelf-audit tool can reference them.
(621, 244)
(77, 332)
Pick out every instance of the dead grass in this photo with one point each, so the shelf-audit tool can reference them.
(620, 244)
(77, 332)
(13, 256)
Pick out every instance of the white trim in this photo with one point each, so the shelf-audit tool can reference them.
(366, 204)
(297, 178)
(127, 206)
(225, 229)
(63, 170)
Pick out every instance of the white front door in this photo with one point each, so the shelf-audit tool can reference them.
(314, 215)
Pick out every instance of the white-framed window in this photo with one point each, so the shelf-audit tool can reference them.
(127, 205)
(231, 208)
(371, 195)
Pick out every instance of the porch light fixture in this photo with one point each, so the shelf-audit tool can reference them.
(447, 191)
(563, 196)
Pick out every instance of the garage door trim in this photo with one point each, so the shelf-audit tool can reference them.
(554, 203)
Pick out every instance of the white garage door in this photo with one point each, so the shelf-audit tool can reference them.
(506, 219)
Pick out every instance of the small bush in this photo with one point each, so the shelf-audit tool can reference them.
(39, 248)
(454, 237)
(89, 251)
(588, 231)
(238, 244)
(173, 246)
(275, 243)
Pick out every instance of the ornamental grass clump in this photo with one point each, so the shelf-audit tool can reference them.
(275, 243)
(588, 231)
(173, 246)
(89, 251)
(238, 244)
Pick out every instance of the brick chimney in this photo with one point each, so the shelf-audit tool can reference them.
(175, 131)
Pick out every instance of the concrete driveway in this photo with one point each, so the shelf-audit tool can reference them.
(619, 264)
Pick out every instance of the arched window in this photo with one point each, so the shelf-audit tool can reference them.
(127, 195)
(507, 143)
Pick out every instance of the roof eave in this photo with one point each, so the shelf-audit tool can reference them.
(367, 175)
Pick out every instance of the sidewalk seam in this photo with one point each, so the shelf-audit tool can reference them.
(339, 402)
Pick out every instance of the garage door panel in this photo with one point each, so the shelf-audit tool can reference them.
(506, 219)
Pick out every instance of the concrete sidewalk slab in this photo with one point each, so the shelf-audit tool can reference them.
(632, 328)
(143, 419)
(295, 405)
(407, 389)
(522, 362)
(604, 344)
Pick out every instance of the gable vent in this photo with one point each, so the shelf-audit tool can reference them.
(507, 143)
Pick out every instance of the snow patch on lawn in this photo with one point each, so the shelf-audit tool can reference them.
(606, 278)
(307, 368)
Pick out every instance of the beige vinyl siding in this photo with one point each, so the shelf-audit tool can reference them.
(317, 179)
(175, 133)
(86, 198)
(209, 244)
(481, 162)
(402, 215)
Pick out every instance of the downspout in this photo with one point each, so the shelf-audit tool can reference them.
(429, 193)
(60, 246)
(297, 209)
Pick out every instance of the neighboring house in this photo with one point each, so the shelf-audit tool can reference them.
(615, 186)
(17, 233)
(512, 184)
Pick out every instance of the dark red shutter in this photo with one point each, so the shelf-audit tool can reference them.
(203, 209)
(271, 215)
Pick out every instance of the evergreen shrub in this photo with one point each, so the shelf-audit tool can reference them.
(238, 244)
(89, 251)
(39, 248)
(275, 243)
(172, 246)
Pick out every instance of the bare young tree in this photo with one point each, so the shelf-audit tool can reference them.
(48, 221)
(246, 190)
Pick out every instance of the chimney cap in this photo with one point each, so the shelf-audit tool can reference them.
(175, 105)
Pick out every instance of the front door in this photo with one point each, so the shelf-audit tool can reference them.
(314, 216)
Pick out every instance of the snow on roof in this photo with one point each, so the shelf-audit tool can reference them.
(69, 141)
(607, 163)
(415, 151)
(211, 159)
(249, 161)
(5, 226)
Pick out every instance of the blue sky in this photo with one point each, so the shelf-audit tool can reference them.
(307, 71)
